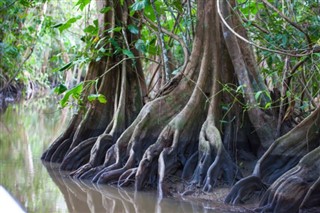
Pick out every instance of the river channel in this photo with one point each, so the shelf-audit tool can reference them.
(26, 130)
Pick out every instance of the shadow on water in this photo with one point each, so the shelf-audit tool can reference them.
(26, 130)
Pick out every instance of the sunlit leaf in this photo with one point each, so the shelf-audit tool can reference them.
(82, 3)
(101, 98)
(74, 92)
(68, 23)
(268, 105)
(257, 95)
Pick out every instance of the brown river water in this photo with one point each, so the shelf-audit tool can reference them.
(26, 130)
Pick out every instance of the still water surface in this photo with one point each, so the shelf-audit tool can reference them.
(26, 130)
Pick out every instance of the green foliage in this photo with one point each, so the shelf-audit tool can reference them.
(270, 29)
(82, 3)
(101, 98)
(133, 29)
(140, 5)
(66, 25)
(74, 92)
(61, 88)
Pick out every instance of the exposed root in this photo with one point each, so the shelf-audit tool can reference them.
(78, 156)
(311, 200)
(130, 147)
(61, 151)
(245, 189)
(56, 148)
(283, 155)
(97, 154)
(213, 160)
(290, 190)
(127, 177)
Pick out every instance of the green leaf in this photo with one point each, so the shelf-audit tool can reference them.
(140, 45)
(128, 53)
(268, 105)
(115, 44)
(105, 9)
(92, 97)
(57, 25)
(101, 98)
(257, 95)
(117, 29)
(133, 29)
(65, 67)
(177, 5)
(93, 30)
(82, 3)
(139, 5)
(75, 92)
(68, 23)
(61, 88)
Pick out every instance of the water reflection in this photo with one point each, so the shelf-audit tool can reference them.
(26, 130)
(88, 197)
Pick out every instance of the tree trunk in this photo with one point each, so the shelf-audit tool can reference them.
(180, 133)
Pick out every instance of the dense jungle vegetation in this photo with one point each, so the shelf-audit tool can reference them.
(181, 96)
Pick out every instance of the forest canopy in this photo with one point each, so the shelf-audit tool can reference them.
(180, 95)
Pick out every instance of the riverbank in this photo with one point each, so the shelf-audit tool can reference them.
(17, 91)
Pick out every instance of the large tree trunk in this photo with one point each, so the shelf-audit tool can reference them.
(123, 86)
(179, 133)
